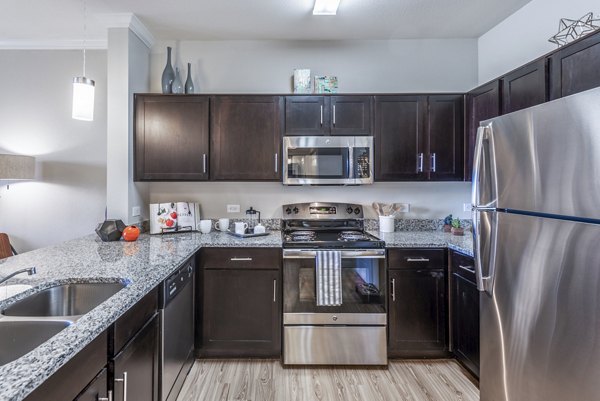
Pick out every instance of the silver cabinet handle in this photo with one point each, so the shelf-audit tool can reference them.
(241, 259)
(274, 290)
(334, 114)
(433, 163)
(110, 398)
(124, 380)
(417, 260)
(204, 162)
(276, 167)
(394, 290)
(420, 163)
(470, 269)
(321, 115)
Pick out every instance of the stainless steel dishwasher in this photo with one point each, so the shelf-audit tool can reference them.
(177, 330)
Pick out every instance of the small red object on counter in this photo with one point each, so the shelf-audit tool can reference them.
(131, 233)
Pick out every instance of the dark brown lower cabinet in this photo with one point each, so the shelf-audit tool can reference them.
(241, 311)
(97, 390)
(417, 313)
(136, 366)
(465, 312)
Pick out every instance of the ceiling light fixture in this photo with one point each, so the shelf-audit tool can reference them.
(83, 88)
(326, 7)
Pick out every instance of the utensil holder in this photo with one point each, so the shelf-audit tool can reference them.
(387, 224)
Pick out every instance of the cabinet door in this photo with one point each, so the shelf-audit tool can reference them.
(399, 138)
(417, 313)
(171, 138)
(246, 138)
(465, 322)
(242, 313)
(525, 87)
(483, 103)
(445, 138)
(574, 68)
(136, 366)
(97, 388)
(306, 115)
(351, 115)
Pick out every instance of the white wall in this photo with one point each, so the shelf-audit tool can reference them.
(427, 199)
(428, 65)
(523, 36)
(68, 197)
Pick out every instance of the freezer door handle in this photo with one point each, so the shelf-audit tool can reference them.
(484, 194)
(484, 246)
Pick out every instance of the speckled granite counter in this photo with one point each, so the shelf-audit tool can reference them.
(143, 264)
(427, 239)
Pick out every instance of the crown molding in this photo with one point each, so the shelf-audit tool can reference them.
(53, 44)
(131, 21)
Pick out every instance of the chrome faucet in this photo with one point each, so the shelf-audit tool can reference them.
(30, 271)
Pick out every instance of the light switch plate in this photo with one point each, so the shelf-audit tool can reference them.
(233, 208)
(404, 207)
(135, 211)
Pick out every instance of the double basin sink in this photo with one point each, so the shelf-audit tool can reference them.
(33, 320)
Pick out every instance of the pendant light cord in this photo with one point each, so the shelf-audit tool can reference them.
(84, 32)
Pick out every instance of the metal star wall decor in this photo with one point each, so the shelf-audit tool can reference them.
(570, 30)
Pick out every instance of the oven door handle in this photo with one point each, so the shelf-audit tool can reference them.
(346, 253)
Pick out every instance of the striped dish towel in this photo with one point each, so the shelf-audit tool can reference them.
(328, 270)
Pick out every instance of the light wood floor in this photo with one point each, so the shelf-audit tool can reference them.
(267, 380)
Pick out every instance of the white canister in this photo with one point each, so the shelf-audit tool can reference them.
(387, 224)
(205, 226)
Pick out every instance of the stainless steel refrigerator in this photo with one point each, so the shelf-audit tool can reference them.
(536, 217)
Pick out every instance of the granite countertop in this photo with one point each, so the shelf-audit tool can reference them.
(427, 239)
(142, 265)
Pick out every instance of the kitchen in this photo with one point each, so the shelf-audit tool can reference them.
(83, 167)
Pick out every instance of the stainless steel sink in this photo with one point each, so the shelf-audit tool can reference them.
(64, 300)
(20, 337)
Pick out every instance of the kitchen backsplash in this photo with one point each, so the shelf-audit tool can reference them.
(415, 224)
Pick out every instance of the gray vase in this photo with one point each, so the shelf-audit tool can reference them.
(177, 86)
(168, 74)
(189, 85)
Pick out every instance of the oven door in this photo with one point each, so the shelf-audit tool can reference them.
(363, 289)
(318, 160)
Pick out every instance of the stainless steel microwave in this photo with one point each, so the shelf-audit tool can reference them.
(327, 160)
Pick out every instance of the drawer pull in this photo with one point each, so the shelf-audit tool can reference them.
(124, 381)
(394, 290)
(417, 260)
(109, 398)
(274, 290)
(470, 269)
(241, 259)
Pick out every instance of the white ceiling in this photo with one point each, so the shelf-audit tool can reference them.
(55, 20)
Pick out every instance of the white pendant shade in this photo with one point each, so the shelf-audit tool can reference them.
(17, 167)
(83, 99)
(326, 7)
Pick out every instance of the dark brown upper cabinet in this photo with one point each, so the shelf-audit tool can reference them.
(245, 138)
(171, 138)
(419, 138)
(328, 115)
(525, 87)
(575, 68)
(446, 137)
(483, 103)
(399, 139)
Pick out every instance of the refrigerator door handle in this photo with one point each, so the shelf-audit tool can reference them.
(485, 245)
(484, 170)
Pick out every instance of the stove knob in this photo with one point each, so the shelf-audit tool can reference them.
(288, 210)
(296, 210)
(349, 210)
(356, 211)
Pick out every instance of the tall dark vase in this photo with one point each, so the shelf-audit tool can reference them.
(189, 84)
(168, 74)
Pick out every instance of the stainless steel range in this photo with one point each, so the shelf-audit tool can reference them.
(334, 279)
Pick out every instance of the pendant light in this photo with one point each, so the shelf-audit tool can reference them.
(83, 88)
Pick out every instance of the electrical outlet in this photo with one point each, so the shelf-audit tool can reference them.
(233, 208)
(404, 207)
(466, 207)
(135, 211)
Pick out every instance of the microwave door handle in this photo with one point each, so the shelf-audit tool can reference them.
(351, 174)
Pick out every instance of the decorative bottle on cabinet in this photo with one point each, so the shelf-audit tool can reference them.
(177, 86)
(189, 85)
(168, 74)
